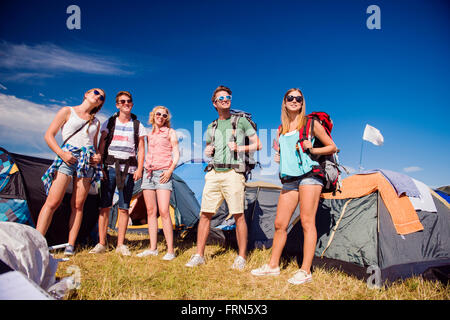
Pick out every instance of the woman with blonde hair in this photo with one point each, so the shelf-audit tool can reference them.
(161, 159)
(77, 158)
(299, 185)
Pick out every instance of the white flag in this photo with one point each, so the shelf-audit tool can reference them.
(373, 135)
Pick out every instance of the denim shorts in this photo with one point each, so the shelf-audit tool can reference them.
(293, 185)
(108, 187)
(152, 182)
(71, 170)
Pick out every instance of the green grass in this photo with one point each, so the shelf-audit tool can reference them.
(112, 276)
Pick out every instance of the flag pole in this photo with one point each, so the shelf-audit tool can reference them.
(360, 156)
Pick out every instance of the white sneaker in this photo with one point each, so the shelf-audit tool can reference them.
(123, 250)
(238, 264)
(69, 251)
(300, 277)
(195, 260)
(99, 248)
(169, 256)
(265, 270)
(148, 252)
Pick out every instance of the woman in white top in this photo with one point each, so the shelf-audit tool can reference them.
(77, 157)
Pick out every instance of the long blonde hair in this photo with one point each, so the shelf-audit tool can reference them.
(285, 120)
(151, 118)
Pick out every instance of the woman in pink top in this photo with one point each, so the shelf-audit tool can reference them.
(160, 161)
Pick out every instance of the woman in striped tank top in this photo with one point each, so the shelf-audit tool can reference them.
(160, 161)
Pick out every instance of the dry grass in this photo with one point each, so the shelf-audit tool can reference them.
(111, 276)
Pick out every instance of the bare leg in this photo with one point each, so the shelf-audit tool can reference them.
(54, 199)
(241, 234)
(309, 196)
(203, 231)
(103, 220)
(123, 225)
(152, 220)
(163, 197)
(287, 202)
(79, 195)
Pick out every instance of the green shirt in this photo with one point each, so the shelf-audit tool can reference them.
(223, 135)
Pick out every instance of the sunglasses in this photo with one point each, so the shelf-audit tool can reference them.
(164, 115)
(299, 99)
(223, 98)
(125, 101)
(97, 93)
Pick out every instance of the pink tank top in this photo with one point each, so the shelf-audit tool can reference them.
(159, 150)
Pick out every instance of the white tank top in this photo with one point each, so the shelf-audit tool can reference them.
(81, 138)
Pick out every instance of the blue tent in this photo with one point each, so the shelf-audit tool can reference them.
(13, 203)
(444, 193)
(192, 172)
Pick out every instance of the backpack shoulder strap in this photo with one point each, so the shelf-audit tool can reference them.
(304, 132)
(234, 123)
(136, 124)
(213, 130)
(110, 126)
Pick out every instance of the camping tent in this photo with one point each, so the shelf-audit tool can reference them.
(375, 223)
(13, 200)
(368, 224)
(22, 197)
(184, 209)
(444, 192)
(260, 209)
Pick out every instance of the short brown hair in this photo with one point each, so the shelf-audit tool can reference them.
(121, 93)
(220, 88)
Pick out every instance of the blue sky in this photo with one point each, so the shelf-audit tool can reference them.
(175, 53)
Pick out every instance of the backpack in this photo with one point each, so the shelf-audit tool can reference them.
(328, 169)
(249, 161)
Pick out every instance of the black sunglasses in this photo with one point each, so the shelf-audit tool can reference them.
(102, 97)
(291, 98)
(125, 101)
(159, 114)
(97, 93)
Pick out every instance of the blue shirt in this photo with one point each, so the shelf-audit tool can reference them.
(291, 163)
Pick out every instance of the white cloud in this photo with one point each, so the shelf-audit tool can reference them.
(24, 76)
(47, 58)
(412, 169)
(3, 87)
(23, 124)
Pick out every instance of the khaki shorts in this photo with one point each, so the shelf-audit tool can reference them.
(227, 185)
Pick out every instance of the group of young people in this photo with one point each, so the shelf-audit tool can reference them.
(119, 160)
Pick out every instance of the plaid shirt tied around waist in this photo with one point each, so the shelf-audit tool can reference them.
(82, 166)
